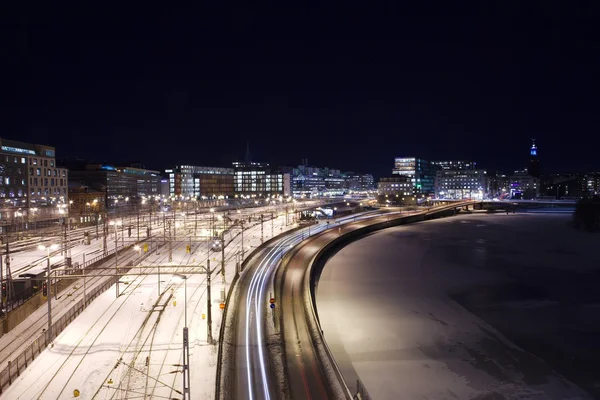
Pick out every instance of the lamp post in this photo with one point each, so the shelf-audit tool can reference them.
(186, 348)
(48, 286)
(116, 224)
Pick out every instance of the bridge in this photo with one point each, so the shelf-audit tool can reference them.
(514, 205)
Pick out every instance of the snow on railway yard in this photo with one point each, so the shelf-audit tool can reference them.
(131, 346)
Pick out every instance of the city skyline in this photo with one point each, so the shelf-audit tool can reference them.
(547, 169)
(198, 83)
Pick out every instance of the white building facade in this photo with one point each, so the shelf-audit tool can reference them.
(461, 184)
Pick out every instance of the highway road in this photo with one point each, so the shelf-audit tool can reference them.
(252, 371)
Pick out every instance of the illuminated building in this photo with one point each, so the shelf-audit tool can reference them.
(461, 184)
(31, 184)
(420, 173)
(534, 163)
(200, 182)
(126, 185)
(396, 190)
(257, 180)
(524, 186)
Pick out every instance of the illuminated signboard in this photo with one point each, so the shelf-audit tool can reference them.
(17, 150)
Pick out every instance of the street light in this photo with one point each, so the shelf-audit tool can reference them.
(48, 286)
(186, 348)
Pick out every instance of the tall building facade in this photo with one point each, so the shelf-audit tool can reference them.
(498, 185)
(258, 180)
(421, 174)
(359, 182)
(122, 186)
(461, 184)
(524, 186)
(310, 181)
(534, 163)
(201, 182)
(31, 184)
(397, 190)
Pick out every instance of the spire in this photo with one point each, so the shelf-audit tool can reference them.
(533, 148)
(248, 158)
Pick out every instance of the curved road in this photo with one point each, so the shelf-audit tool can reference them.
(250, 372)
(252, 369)
(306, 376)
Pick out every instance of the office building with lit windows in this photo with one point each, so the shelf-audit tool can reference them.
(256, 179)
(461, 184)
(30, 182)
(396, 190)
(524, 186)
(419, 172)
(200, 182)
(122, 186)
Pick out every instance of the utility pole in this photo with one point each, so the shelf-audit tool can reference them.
(116, 262)
(69, 233)
(242, 223)
(223, 257)
(195, 221)
(272, 222)
(7, 262)
(208, 306)
(174, 226)
(138, 224)
(170, 241)
(64, 241)
(84, 284)
(105, 229)
(164, 231)
(262, 234)
(48, 288)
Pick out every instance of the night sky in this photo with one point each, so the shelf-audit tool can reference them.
(348, 87)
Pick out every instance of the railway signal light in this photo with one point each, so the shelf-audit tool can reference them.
(187, 248)
(45, 289)
(4, 289)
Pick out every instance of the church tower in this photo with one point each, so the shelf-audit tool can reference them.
(534, 162)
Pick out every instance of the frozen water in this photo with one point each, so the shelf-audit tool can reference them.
(528, 312)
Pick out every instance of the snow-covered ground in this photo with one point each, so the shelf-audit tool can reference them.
(132, 346)
(388, 309)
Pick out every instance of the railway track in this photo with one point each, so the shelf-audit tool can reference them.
(140, 381)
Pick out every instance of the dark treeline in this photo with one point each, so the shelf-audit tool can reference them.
(587, 214)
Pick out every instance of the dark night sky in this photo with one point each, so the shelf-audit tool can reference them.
(348, 87)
